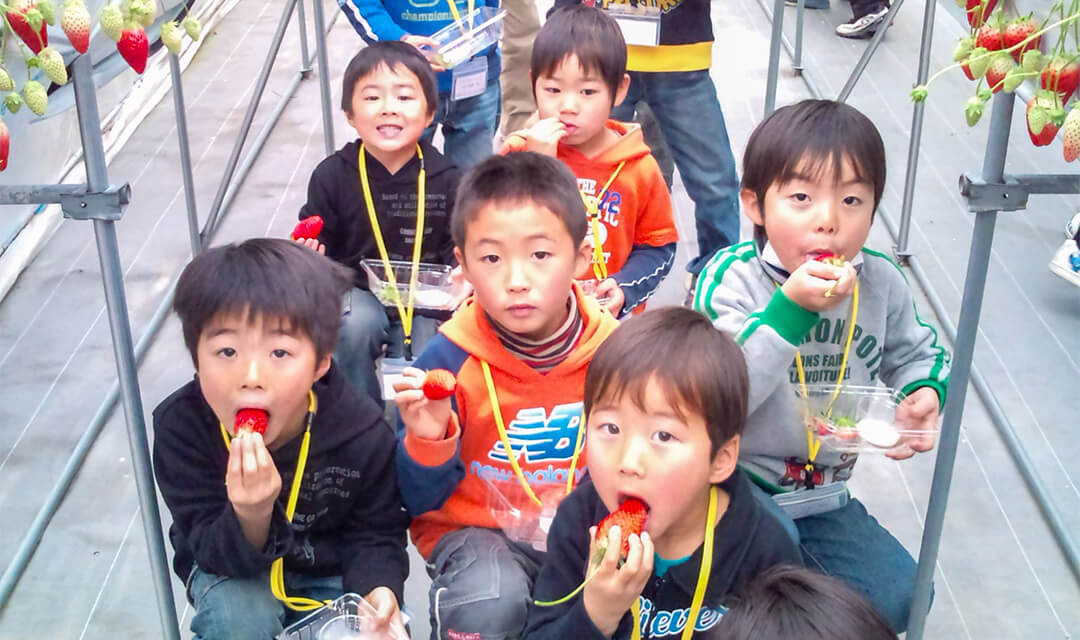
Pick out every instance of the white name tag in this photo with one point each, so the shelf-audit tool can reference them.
(640, 25)
(469, 79)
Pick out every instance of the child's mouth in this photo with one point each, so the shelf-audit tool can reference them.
(623, 497)
(389, 130)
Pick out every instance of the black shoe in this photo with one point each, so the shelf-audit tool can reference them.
(810, 4)
(864, 26)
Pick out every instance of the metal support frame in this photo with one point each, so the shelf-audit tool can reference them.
(107, 198)
(992, 192)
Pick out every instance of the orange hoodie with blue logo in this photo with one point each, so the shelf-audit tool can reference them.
(448, 484)
(637, 224)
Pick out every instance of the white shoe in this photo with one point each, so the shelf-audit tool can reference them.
(1066, 262)
(1072, 225)
(863, 26)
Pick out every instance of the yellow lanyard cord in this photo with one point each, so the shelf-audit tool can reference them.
(702, 579)
(813, 444)
(457, 16)
(405, 311)
(592, 210)
(277, 569)
(493, 398)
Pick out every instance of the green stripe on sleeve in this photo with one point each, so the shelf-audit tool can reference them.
(788, 319)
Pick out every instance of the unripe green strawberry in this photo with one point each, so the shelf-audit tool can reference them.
(170, 36)
(6, 83)
(111, 21)
(192, 27)
(1034, 61)
(35, 97)
(48, 13)
(142, 11)
(973, 111)
(962, 49)
(1070, 136)
(52, 63)
(13, 102)
(35, 19)
(979, 62)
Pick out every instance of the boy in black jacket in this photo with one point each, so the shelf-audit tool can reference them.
(389, 96)
(255, 320)
(665, 400)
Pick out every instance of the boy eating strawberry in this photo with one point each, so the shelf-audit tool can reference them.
(665, 400)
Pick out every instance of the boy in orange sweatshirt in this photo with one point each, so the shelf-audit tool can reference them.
(519, 348)
(579, 75)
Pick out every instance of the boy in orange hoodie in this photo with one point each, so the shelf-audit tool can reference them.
(579, 75)
(519, 348)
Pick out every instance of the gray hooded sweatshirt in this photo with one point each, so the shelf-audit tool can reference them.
(739, 291)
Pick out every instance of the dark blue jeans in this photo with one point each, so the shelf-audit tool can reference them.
(688, 111)
(468, 126)
(245, 609)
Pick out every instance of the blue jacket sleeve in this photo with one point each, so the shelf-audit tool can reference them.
(371, 20)
(424, 488)
(645, 269)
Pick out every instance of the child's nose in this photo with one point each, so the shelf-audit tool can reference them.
(517, 277)
(252, 375)
(568, 101)
(631, 462)
(827, 218)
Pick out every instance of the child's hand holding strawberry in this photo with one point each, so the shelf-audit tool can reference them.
(610, 593)
(253, 484)
(807, 285)
(611, 290)
(306, 232)
(917, 412)
(425, 411)
(544, 136)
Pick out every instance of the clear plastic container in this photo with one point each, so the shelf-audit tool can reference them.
(349, 617)
(861, 419)
(434, 288)
(521, 519)
(460, 42)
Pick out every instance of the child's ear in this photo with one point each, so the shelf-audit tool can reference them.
(620, 91)
(583, 257)
(751, 207)
(723, 463)
(460, 257)
(323, 366)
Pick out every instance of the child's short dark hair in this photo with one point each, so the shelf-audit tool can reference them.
(791, 602)
(699, 368)
(394, 54)
(813, 135)
(521, 176)
(587, 33)
(263, 277)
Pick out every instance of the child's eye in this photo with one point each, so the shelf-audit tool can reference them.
(541, 255)
(371, 98)
(852, 201)
(279, 353)
(405, 98)
(589, 92)
(800, 197)
(489, 259)
(664, 436)
(610, 429)
(226, 352)
(551, 90)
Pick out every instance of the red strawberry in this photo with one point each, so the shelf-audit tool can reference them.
(999, 67)
(1018, 31)
(978, 10)
(20, 16)
(1070, 136)
(439, 384)
(308, 228)
(250, 421)
(831, 258)
(5, 145)
(134, 48)
(1061, 75)
(990, 38)
(630, 516)
(76, 24)
(1041, 127)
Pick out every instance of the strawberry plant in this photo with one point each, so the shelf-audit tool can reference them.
(1000, 53)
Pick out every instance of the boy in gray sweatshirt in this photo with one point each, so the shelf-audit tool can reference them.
(813, 175)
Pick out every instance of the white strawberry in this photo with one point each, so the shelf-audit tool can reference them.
(192, 27)
(52, 63)
(170, 36)
(111, 21)
(35, 97)
(1070, 136)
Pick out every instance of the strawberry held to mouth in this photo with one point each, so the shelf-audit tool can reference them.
(308, 229)
(250, 421)
(830, 258)
(439, 384)
(630, 518)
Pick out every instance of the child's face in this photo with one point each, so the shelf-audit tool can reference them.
(807, 217)
(389, 112)
(654, 455)
(520, 259)
(264, 364)
(580, 100)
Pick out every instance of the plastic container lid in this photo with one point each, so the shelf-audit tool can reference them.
(477, 32)
(860, 419)
(434, 289)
